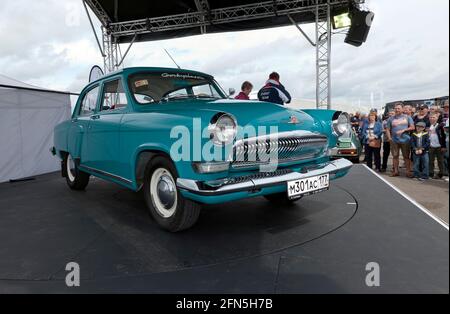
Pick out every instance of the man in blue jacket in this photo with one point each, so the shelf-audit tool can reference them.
(274, 91)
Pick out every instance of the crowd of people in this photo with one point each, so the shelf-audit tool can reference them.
(420, 136)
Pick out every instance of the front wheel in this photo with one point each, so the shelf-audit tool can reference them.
(281, 198)
(75, 178)
(166, 204)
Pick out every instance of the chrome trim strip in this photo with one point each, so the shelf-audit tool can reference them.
(107, 174)
(332, 167)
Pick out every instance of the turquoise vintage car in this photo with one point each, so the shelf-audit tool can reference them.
(176, 135)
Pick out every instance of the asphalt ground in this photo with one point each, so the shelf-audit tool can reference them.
(323, 244)
(432, 194)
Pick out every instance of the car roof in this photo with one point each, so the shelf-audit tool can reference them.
(133, 70)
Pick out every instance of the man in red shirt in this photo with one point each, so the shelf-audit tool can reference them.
(246, 89)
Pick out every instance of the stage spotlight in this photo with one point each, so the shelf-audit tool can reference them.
(360, 27)
(342, 21)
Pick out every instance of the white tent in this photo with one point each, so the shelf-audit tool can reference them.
(28, 115)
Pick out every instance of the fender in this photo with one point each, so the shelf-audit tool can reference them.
(143, 154)
(75, 140)
(325, 118)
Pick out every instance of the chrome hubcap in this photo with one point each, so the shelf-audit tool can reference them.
(163, 192)
(166, 191)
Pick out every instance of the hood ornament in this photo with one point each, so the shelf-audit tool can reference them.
(294, 120)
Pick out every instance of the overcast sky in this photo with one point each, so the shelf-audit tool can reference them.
(49, 43)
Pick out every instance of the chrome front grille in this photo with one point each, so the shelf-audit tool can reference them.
(282, 148)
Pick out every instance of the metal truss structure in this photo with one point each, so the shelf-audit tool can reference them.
(323, 57)
(110, 51)
(204, 17)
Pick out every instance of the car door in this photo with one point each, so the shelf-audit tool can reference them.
(78, 135)
(104, 128)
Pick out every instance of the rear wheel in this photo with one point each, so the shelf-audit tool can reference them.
(168, 207)
(75, 178)
(281, 198)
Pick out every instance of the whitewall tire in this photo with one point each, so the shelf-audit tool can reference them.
(167, 206)
(163, 191)
(75, 178)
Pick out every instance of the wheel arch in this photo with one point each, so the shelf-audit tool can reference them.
(63, 155)
(142, 157)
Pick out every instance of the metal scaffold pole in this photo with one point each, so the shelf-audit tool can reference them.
(323, 57)
(110, 50)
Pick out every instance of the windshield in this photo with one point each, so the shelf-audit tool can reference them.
(157, 87)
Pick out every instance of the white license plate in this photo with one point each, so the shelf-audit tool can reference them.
(308, 186)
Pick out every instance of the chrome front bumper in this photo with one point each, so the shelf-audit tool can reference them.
(333, 168)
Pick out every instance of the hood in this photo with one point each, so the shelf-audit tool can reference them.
(247, 113)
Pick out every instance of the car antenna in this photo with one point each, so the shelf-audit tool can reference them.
(170, 56)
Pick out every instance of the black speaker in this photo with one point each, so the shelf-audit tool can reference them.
(361, 23)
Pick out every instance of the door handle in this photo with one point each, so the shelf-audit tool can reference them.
(95, 117)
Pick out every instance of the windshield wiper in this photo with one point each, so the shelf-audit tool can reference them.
(207, 97)
(181, 97)
(176, 97)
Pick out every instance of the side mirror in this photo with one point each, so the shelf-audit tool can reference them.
(231, 92)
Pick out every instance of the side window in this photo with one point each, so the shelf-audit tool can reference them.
(205, 90)
(89, 102)
(144, 99)
(114, 96)
(180, 92)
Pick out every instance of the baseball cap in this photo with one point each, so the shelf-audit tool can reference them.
(423, 107)
(421, 124)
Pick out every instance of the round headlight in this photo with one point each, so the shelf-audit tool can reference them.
(223, 129)
(341, 124)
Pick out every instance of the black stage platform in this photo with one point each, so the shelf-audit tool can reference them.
(320, 245)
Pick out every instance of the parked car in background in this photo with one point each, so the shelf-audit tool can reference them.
(348, 146)
(152, 130)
